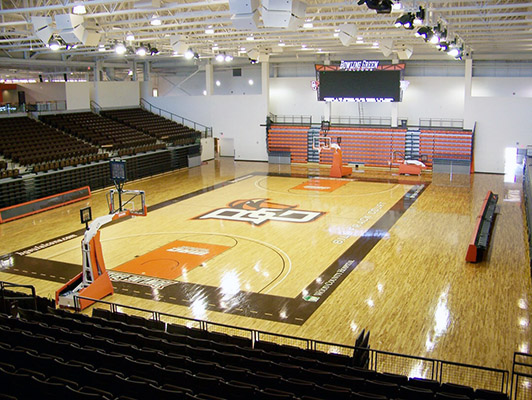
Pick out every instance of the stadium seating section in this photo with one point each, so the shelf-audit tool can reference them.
(154, 125)
(98, 130)
(28, 142)
(117, 356)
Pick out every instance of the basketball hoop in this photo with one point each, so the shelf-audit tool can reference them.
(125, 200)
(320, 143)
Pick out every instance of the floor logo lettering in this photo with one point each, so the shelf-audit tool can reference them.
(259, 211)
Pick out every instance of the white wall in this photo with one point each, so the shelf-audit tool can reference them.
(238, 117)
(432, 97)
(502, 119)
(45, 91)
(78, 95)
(193, 83)
(294, 96)
(501, 87)
(116, 94)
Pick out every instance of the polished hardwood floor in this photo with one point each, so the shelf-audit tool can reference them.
(410, 286)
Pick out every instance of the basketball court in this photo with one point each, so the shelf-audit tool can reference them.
(243, 246)
(286, 249)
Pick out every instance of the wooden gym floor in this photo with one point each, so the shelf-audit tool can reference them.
(377, 251)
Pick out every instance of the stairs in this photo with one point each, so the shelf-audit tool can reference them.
(312, 155)
(412, 145)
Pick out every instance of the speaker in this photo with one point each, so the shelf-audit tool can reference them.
(21, 98)
(65, 77)
(405, 52)
(178, 44)
(280, 5)
(347, 34)
(276, 18)
(243, 6)
(386, 47)
(70, 27)
(246, 21)
(40, 78)
(41, 28)
(91, 38)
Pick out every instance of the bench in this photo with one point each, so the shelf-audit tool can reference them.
(481, 235)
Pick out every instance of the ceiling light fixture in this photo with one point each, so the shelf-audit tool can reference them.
(79, 9)
(189, 54)
(209, 31)
(228, 58)
(308, 25)
(250, 38)
(120, 48)
(141, 51)
(220, 57)
(54, 44)
(130, 37)
(155, 20)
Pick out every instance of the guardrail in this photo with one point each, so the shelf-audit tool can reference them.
(3, 297)
(291, 119)
(206, 131)
(358, 120)
(475, 376)
(521, 388)
(441, 123)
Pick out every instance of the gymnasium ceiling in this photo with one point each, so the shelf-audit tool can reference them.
(484, 29)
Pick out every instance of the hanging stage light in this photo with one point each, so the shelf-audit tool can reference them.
(406, 21)
(419, 17)
(380, 6)
(424, 32)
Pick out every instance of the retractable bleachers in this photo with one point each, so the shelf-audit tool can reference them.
(289, 138)
(369, 146)
(376, 146)
(111, 354)
(446, 144)
(98, 130)
(154, 125)
(29, 142)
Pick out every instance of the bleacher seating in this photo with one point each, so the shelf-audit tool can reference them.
(117, 356)
(154, 125)
(29, 142)
(289, 138)
(99, 131)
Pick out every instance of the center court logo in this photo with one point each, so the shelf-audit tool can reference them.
(259, 211)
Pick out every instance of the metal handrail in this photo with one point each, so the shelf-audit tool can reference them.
(441, 123)
(4, 285)
(206, 131)
(358, 120)
(311, 344)
(291, 119)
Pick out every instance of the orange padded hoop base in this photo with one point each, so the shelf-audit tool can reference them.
(337, 169)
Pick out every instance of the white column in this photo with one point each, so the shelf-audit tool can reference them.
(395, 105)
(97, 78)
(209, 78)
(468, 83)
(145, 85)
(265, 82)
